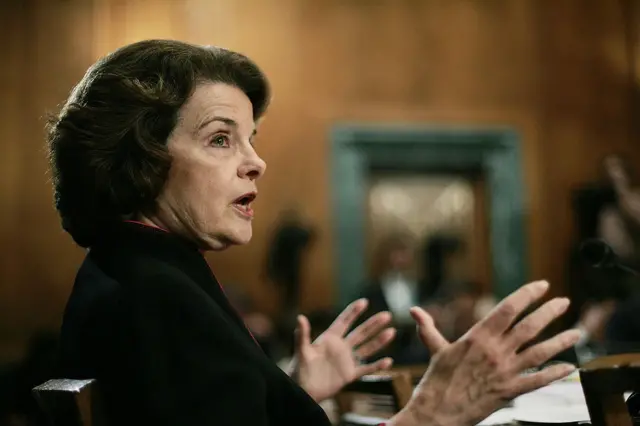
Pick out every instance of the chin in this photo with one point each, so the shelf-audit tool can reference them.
(240, 240)
(223, 240)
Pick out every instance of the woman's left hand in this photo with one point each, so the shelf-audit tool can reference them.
(333, 360)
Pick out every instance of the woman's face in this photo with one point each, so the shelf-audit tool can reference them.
(212, 180)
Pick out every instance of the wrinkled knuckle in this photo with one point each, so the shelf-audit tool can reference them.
(468, 341)
(380, 340)
(476, 339)
(527, 329)
(365, 330)
(509, 310)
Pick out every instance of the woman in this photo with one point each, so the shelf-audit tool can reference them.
(153, 162)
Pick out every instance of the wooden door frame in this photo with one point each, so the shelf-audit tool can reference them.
(357, 148)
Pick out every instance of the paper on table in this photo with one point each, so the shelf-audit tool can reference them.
(570, 414)
(500, 417)
(562, 394)
(362, 420)
(559, 402)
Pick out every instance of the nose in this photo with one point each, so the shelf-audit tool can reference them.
(253, 167)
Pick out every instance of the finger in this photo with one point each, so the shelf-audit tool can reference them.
(376, 344)
(542, 352)
(382, 364)
(347, 317)
(534, 323)
(368, 329)
(619, 177)
(429, 334)
(503, 315)
(531, 382)
(303, 333)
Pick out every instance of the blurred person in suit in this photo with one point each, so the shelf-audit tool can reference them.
(394, 286)
(153, 163)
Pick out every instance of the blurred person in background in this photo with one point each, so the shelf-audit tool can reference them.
(621, 231)
(446, 290)
(290, 242)
(153, 162)
(603, 211)
(400, 282)
(394, 288)
(467, 305)
(436, 282)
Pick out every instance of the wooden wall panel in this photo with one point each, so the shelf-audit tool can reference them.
(12, 104)
(559, 73)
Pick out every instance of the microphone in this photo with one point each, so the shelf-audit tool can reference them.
(599, 254)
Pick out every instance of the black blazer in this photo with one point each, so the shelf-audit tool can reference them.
(149, 321)
(406, 348)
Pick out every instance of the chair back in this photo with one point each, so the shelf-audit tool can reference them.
(604, 382)
(68, 402)
(397, 386)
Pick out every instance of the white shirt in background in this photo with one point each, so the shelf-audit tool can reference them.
(401, 294)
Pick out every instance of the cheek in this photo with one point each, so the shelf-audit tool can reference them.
(199, 189)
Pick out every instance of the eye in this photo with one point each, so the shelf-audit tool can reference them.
(220, 141)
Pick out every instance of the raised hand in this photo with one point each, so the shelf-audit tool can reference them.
(323, 367)
(628, 196)
(469, 379)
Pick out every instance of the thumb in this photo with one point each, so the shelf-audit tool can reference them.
(429, 334)
(303, 333)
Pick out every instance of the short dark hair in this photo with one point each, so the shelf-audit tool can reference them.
(108, 145)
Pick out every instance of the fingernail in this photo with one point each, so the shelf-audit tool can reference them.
(541, 285)
(576, 334)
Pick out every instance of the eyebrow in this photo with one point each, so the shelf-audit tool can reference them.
(228, 121)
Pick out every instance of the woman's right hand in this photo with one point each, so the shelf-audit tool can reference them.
(480, 372)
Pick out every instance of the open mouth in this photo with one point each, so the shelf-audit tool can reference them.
(243, 203)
